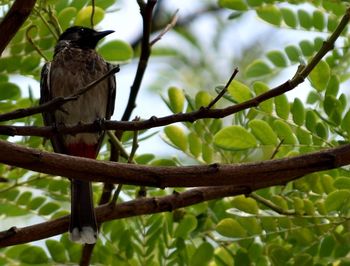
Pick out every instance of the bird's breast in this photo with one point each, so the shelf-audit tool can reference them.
(72, 70)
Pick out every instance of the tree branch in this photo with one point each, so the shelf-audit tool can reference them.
(15, 236)
(146, 13)
(253, 175)
(14, 19)
(298, 78)
(55, 103)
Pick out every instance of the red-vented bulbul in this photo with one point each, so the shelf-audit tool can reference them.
(76, 64)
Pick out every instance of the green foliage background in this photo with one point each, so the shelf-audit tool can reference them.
(305, 222)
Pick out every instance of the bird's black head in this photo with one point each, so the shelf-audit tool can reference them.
(83, 37)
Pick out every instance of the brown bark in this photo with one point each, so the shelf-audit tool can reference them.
(14, 19)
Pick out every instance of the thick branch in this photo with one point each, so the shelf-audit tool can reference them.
(252, 175)
(108, 212)
(14, 19)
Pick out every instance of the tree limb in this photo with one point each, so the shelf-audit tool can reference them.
(14, 19)
(15, 236)
(146, 13)
(253, 175)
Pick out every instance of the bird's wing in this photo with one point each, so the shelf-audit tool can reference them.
(45, 94)
(48, 116)
(112, 93)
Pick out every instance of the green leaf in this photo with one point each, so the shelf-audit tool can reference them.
(33, 255)
(298, 112)
(257, 68)
(310, 120)
(255, 2)
(24, 198)
(330, 104)
(176, 136)
(337, 199)
(48, 208)
(342, 183)
(84, 15)
(29, 63)
(57, 251)
(12, 210)
(233, 4)
(203, 99)
(144, 158)
(263, 132)
(36, 202)
(176, 99)
(202, 255)
(321, 130)
(9, 91)
(195, 144)
(277, 58)
(116, 50)
(251, 225)
(318, 20)
(293, 53)
(260, 88)
(270, 13)
(305, 19)
(187, 224)
(345, 123)
(282, 106)
(289, 17)
(207, 153)
(307, 48)
(230, 228)
(320, 76)
(284, 132)
(104, 4)
(327, 246)
(66, 16)
(245, 204)
(239, 91)
(333, 86)
(332, 23)
(234, 138)
(303, 259)
(303, 136)
(277, 254)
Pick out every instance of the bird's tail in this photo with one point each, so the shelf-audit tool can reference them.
(83, 225)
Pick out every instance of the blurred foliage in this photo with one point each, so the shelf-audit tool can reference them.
(305, 222)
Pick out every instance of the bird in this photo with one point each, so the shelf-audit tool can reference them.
(75, 64)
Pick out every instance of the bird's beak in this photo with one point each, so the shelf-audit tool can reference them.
(100, 34)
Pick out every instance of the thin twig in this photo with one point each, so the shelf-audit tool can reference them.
(276, 149)
(92, 14)
(224, 90)
(271, 205)
(55, 103)
(167, 28)
(135, 144)
(117, 143)
(30, 40)
(82, 91)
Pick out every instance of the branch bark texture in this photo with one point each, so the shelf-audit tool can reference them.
(14, 19)
(15, 236)
(249, 175)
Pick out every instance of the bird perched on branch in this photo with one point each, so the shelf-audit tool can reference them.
(76, 64)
